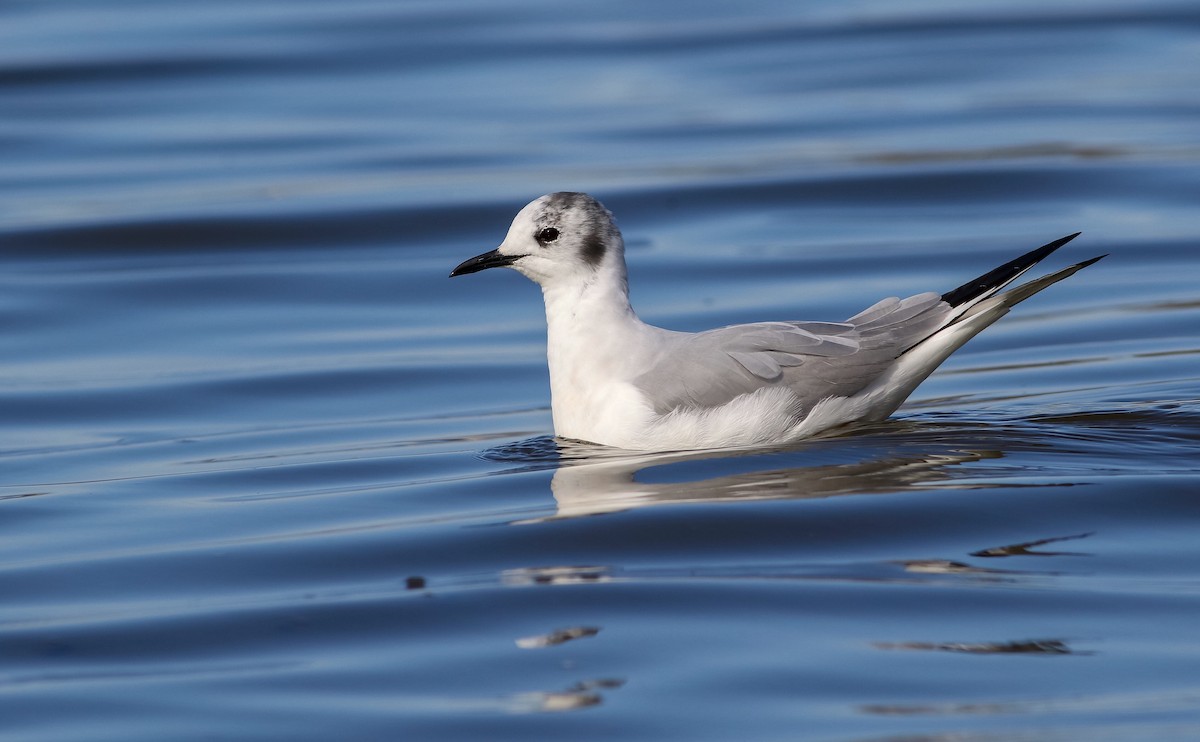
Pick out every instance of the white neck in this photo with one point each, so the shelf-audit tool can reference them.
(602, 298)
(591, 329)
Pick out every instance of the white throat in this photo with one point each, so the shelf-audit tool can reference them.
(591, 331)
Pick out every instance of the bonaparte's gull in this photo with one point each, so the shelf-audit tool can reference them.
(618, 381)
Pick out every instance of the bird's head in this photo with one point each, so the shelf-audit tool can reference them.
(560, 237)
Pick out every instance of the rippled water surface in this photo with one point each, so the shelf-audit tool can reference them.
(265, 473)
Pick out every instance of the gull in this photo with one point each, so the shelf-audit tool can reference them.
(617, 381)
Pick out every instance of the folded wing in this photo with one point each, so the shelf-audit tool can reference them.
(814, 360)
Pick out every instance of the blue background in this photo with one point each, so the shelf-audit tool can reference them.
(266, 473)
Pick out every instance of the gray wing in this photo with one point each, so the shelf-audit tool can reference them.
(815, 360)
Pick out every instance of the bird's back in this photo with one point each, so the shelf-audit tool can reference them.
(811, 360)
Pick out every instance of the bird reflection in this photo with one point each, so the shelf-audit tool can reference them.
(593, 480)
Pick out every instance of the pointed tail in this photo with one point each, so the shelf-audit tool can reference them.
(989, 283)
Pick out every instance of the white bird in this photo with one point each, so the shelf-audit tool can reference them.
(617, 381)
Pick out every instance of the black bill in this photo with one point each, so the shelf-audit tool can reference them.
(491, 259)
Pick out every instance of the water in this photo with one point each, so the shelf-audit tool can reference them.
(266, 473)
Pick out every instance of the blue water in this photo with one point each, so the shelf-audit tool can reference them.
(265, 473)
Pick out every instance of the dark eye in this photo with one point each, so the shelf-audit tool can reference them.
(547, 235)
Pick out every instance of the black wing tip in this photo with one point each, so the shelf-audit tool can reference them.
(1088, 262)
(1034, 256)
(1005, 273)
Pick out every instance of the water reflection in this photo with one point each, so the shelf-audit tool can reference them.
(557, 637)
(584, 694)
(558, 575)
(949, 567)
(1022, 646)
(1027, 548)
(592, 481)
(1163, 702)
(939, 451)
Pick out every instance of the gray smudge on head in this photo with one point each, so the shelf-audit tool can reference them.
(595, 225)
